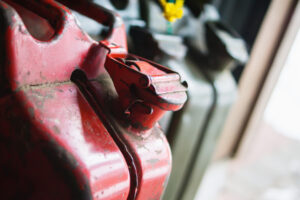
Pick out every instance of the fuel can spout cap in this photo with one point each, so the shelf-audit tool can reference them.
(146, 90)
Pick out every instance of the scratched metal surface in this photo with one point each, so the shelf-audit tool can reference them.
(54, 143)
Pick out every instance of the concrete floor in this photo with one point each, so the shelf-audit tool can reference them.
(271, 171)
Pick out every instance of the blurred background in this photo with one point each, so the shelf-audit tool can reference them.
(237, 137)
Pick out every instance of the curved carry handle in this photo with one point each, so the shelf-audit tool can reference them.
(29, 61)
(56, 14)
(35, 62)
(116, 34)
(53, 12)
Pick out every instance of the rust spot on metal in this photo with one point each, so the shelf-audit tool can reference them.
(22, 30)
(31, 112)
(42, 77)
(60, 90)
(153, 161)
(140, 146)
(56, 129)
(42, 85)
(158, 151)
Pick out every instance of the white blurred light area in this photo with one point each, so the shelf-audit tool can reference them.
(283, 110)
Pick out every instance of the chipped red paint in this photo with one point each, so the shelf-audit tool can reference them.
(93, 138)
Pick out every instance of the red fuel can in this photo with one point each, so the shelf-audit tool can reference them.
(78, 117)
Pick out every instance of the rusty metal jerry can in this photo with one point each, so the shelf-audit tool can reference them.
(78, 117)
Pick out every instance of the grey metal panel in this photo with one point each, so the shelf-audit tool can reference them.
(186, 130)
(226, 89)
(185, 133)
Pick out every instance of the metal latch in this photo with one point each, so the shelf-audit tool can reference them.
(146, 89)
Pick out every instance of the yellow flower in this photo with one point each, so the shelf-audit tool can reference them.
(172, 11)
